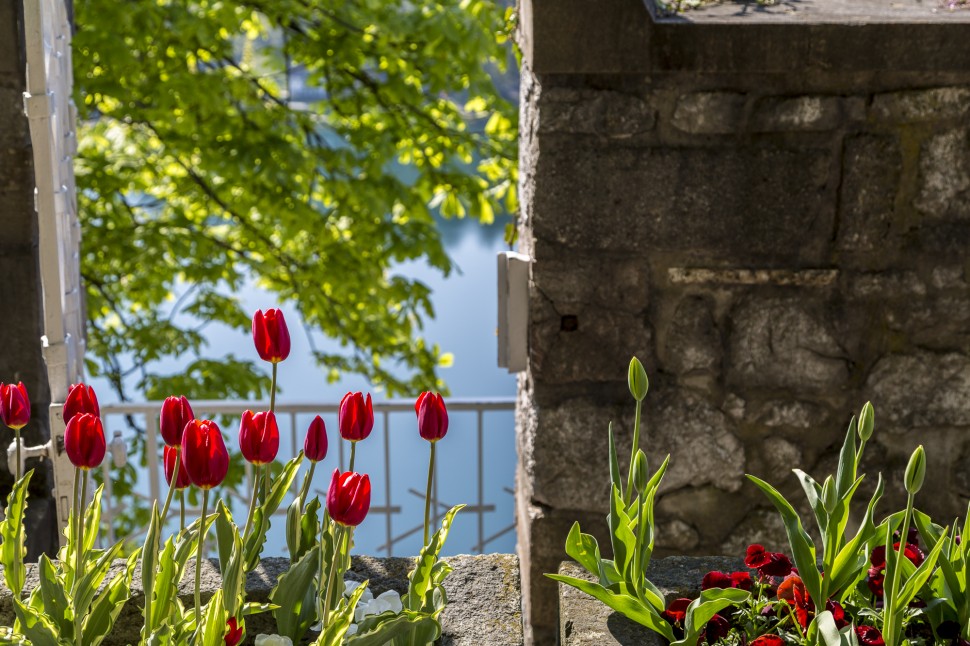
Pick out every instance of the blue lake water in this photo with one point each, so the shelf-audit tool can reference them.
(466, 308)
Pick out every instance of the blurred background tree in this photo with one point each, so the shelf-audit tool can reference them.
(201, 166)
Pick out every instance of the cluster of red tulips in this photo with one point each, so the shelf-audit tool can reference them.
(195, 452)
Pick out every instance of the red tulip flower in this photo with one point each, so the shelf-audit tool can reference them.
(348, 498)
(432, 416)
(234, 632)
(84, 441)
(259, 437)
(14, 405)
(270, 335)
(170, 455)
(176, 413)
(315, 444)
(869, 636)
(355, 417)
(81, 399)
(204, 453)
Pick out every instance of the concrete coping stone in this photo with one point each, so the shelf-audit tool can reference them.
(584, 621)
(484, 596)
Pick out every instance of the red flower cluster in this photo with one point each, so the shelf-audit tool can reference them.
(741, 580)
(877, 571)
(767, 563)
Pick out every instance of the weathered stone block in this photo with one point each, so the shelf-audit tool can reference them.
(944, 175)
(710, 113)
(591, 112)
(805, 113)
(580, 280)
(920, 390)
(872, 166)
(687, 201)
(567, 340)
(483, 596)
(912, 106)
(585, 621)
(692, 340)
(785, 342)
(710, 511)
(700, 439)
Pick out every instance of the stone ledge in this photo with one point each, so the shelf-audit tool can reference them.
(584, 621)
(827, 36)
(484, 598)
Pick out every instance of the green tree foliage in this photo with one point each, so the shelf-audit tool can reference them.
(196, 170)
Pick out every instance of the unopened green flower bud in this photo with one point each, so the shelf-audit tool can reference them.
(830, 497)
(866, 421)
(637, 379)
(916, 470)
(640, 475)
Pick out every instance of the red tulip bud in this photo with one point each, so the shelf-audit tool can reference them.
(355, 417)
(176, 413)
(348, 498)
(14, 405)
(81, 399)
(315, 445)
(259, 437)
(171, 452)
(270, 335)
(84, 441)
(432, 416)
(204, 453)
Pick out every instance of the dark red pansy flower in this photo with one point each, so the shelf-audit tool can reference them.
(234, 632)
(877, 558)
(869, 636)
(676, 611)
(768, 640)
(793, 592)
(741, 580)
(717, 628)
(767, 563)
(716, 580)
(838, 613)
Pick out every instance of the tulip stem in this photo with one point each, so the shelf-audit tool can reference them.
(272, 390)
(266, 481)
(305, 489)
(83, 477)
(427, 495)
(252, 506)
(337, 542)
(353, 454)
(633, 454)
(171, 485)
(181, 510)
(16, 434)
(198, 561)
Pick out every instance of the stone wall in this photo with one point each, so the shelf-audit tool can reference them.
(769, 207)
(21, 321)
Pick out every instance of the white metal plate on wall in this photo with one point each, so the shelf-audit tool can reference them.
(513, 310)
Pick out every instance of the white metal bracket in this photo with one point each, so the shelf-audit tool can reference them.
(513, 310)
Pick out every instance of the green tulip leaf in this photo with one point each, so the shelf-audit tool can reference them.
(295, 596)
(12, 548)
(628, 606)
(105, 610)
(421, 582)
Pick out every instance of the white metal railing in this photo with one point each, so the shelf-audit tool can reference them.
(143, 417)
